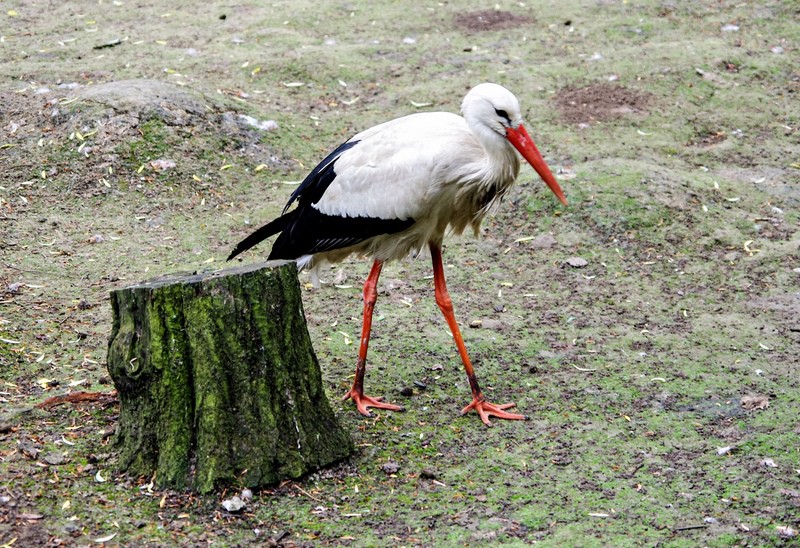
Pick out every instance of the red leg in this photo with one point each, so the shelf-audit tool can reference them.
(357, 391)
(479, 404)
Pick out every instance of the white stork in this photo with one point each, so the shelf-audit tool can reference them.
(399, 186)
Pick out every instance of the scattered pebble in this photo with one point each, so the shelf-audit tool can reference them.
(577, 262)
(543, 241)
(777, 49)
(724, 450)
(233, 504)
(407, 391)
(390, 467)
(428, 473)
(730, 28)
(14, 288)
(54, 457)
(162, 164)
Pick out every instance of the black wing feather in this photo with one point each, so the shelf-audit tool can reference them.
(311, 231)
(316, 183)
(305, 230)
(272, 227)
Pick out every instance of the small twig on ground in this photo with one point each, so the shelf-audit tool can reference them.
(306, 493)
(690, 527)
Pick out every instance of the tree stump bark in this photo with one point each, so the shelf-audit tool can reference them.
(218, 381)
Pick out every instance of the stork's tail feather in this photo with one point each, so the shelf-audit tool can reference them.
(269, 229)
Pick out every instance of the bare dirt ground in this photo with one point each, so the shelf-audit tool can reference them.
(651, 329)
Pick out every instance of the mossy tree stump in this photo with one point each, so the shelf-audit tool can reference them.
(218, 381)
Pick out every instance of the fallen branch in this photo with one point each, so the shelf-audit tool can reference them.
(80, 397)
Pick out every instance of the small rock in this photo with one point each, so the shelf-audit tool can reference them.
(407, 391)
(724, 450)
(710, 520)
(785, 531)
(577, 262)
(233, 504)
(247, 494)
(490, 323)
(28, 449)
(390, 467)
(768, 462)
(53, 457)
(730, 28)
(162, 164)
(428, 473)
(543, 241)
(14, 288)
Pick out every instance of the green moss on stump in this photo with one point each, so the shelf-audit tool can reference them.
(218, 381)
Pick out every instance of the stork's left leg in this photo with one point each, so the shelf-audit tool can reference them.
(479, 404)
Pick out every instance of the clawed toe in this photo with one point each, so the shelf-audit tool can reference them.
(363, 402)
(486, 409)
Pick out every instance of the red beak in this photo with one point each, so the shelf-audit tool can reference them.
(524, 144)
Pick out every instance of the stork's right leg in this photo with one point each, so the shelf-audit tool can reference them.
(357, 391)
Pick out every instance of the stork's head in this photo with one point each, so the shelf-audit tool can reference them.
(492, 107)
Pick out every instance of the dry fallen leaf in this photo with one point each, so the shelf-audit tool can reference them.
(106, 538)
(755, 401)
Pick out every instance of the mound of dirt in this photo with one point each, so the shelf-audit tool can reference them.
(600, 103)
(135, 129)
(477, 21)
(146, 99)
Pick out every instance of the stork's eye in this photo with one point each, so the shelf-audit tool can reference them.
(502, 114)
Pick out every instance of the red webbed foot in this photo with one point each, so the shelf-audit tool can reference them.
(363, 402)
(486, 409)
